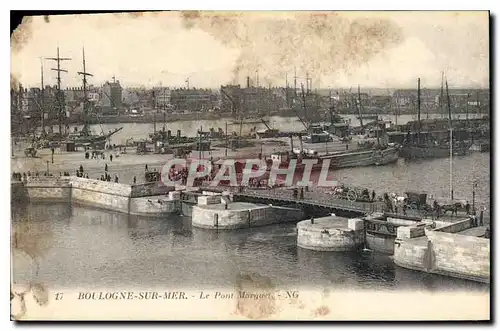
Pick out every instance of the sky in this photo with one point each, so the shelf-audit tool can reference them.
(335, 49)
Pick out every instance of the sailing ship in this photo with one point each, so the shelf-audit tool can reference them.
(343, 159)
(425, 146)
(378, 153)
(85, 137)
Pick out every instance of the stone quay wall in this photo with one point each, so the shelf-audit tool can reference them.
(455, 226)
(97, 193)
(246, 217)
(443, 252)
(50, 189)
(460, 256)
(112, 196)
(411, 254)
(150, 189)
(156, 206)
(330, 237)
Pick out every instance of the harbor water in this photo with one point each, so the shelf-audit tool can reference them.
(95, 248)
(88, 248)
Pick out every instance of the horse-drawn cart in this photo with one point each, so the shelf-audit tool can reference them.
(423, 203)
(417, 201)
(30, 152)
(451, 205)
(351, 193)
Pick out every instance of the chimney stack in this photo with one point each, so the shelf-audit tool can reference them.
(248, 81)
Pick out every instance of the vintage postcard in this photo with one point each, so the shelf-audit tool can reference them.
(260, 165)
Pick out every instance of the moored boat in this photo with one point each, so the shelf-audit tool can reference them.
(343, 159)
(414, 151)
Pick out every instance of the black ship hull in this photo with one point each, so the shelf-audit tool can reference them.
(426, 152)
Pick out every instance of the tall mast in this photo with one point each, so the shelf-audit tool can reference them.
(451, 140)
(359, 107)
(332, 108)
(295, 81)
(84, 74)
(58, 60)
(225, 153)
(305, 108)
(418, 108)
(201, 130)
(307, 82)
(441, 98)
(286, 91)
(397, 108)
(426, 109)
(477, 103)
(467, 109)
(164, 110)
(155, 110)
(42, 97)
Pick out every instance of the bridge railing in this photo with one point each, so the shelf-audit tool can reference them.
(316, 198)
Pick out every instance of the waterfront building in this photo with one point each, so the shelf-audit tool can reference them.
(137, 98)
(161, 97)
(477, 99)
(112, 94)
(254, 99)
(193, 99)
(230, 98)
(381, 101)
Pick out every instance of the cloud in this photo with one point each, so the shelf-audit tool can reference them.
(214, 48)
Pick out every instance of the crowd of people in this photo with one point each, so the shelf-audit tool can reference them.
(25, 175)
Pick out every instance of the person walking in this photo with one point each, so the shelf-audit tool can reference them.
(111, 157)
(106, 167)
(134, 180)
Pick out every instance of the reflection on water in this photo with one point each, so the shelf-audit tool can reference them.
(95, 248)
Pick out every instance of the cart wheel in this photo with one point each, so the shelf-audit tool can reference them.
(413, 206)
(352, 196)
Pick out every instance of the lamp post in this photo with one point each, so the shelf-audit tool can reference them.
(474, 185)
(47, 167)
